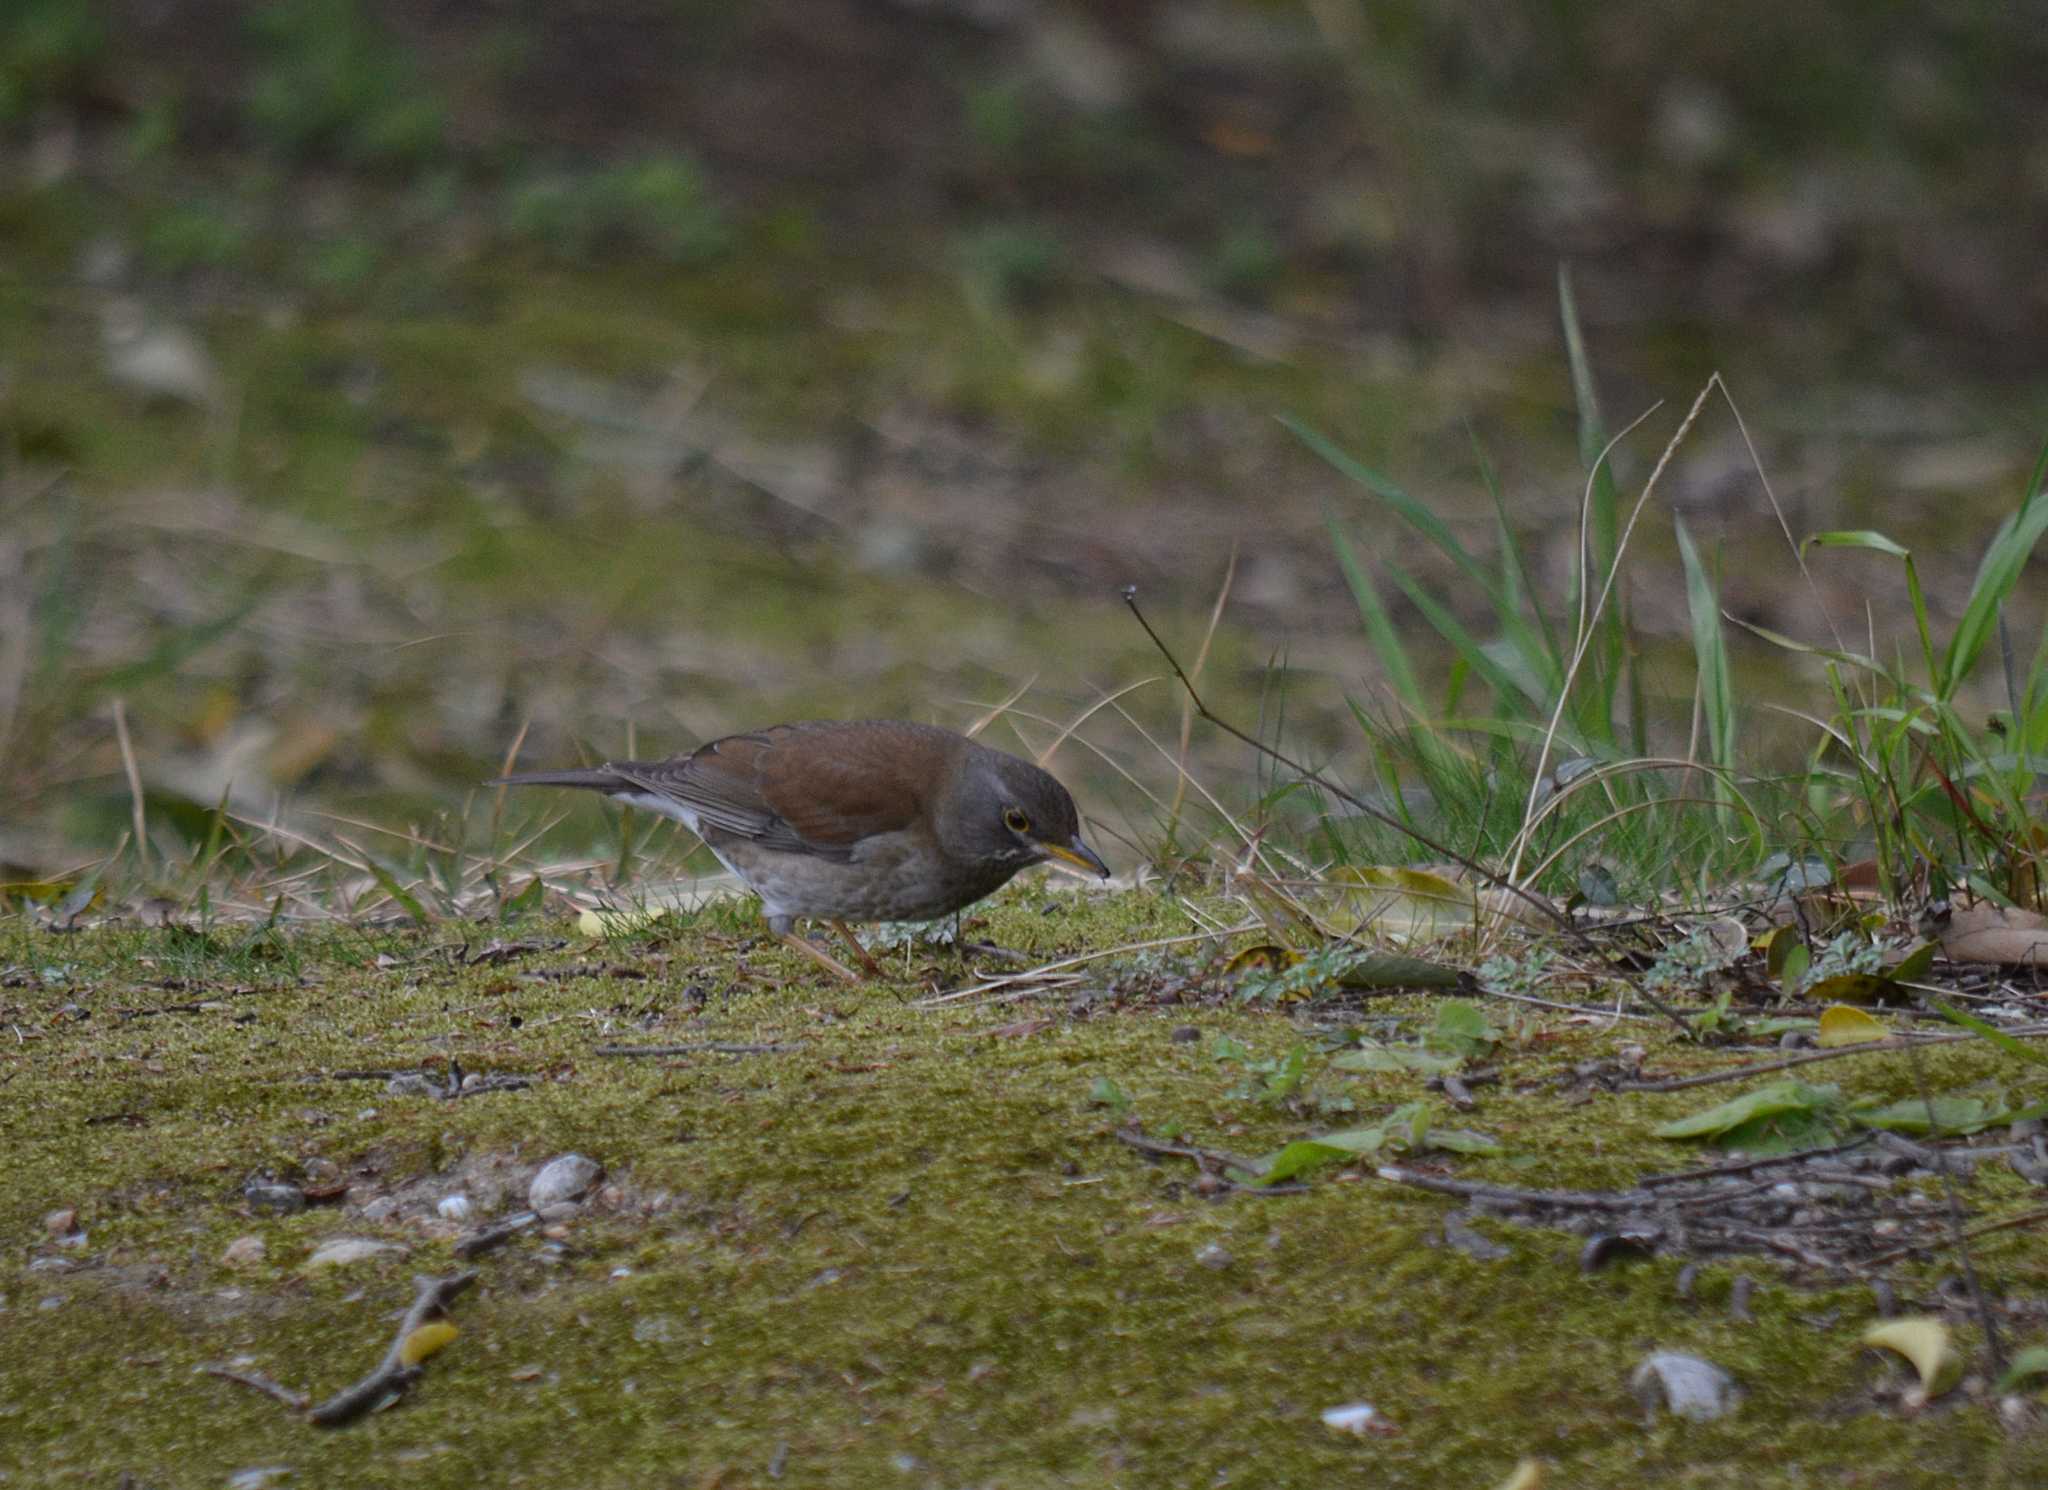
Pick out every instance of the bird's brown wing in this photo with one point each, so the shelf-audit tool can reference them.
(814, 789)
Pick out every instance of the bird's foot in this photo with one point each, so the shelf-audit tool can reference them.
(860, 953)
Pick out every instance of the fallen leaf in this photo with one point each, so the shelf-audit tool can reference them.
(1842, 1025)
(425, 1341)
(1991, 933)
(1923, 1340)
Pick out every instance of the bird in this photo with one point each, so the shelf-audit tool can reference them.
(854, 820)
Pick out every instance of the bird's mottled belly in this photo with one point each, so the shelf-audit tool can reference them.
(885, 881)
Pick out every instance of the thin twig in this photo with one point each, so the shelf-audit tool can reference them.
(709, 1047)
(1806, 1057)
(1982, 1228)
(1745, 1166)
(493, 1237)
(1577, 1200)
(297, 1401)
(393, 1375)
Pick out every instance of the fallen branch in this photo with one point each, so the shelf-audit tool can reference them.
(394, 1373)
(1579, 1200)
(493, 1237)
(297, 1401)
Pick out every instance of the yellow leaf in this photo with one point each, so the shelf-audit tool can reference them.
(1842, 1025)
(1923, 1340)
(1265, 957)
(425, 1341)
(1405, 904)
(1528, 1475)
(616, 923)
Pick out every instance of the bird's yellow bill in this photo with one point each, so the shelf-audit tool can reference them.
(1076, 855)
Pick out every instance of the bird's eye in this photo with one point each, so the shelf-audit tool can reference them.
(1015, 820)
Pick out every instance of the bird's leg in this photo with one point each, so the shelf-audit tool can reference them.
(818, 955)
(860, 953)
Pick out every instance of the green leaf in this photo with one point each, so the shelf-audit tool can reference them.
(1949, 1115)
(1462, 1029)
(1914, 964)
(2026, 1365)
(1395, 1058)
(1106, 1093)
(1996, 576)
(388, 882)
(526, 902)
(1710, 654)
(1379, 626)
(1305, 1154)
(1778, 1099)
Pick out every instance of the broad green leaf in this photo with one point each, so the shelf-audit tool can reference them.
(1305, 1154)
(1914, 964)
(1395, 1058)
(1462, 1029)
(1777, 1099)
(1461, 1141)
(1949, 1115)
(1106, 1093)
(2026, 1365)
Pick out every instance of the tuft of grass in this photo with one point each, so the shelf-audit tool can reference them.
(331, 83)
(661, 206)
(1536, 752)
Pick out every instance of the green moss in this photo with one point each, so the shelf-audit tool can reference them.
(908, 1250)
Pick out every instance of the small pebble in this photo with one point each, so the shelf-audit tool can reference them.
(1356, 1418)
(568, 1177)
(1685, 1386)
(1215, 1256)
(347, 1249)
(270, 1198)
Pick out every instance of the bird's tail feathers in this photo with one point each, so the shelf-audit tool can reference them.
(599, 778)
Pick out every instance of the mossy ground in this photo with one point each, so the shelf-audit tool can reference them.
(908, 1251)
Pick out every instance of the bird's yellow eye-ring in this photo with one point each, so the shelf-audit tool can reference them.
(1015, 820)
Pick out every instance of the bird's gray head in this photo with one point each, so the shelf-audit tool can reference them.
(1008, 811)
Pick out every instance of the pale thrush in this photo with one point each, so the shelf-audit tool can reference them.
(867, 820)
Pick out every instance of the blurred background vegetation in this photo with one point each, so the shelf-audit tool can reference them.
(378, 378)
